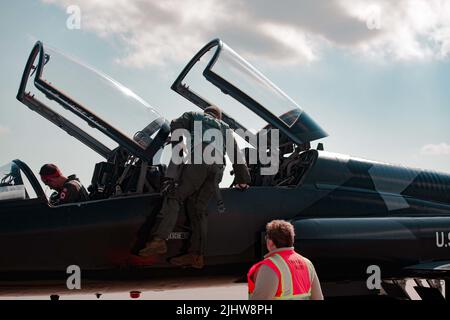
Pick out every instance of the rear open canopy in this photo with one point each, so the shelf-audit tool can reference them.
(235, 77)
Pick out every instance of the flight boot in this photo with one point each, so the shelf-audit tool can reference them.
(156, 246)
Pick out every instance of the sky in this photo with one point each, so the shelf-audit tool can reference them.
(373, 74)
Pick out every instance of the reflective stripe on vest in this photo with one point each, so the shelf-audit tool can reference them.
(287, 287)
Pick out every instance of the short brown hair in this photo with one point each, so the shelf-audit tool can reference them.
(49, 169)
(281, 233)
(214, 111)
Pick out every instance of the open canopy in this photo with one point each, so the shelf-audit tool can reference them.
(78, 99)
(235, 77)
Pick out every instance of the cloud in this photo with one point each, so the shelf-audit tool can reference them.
(408, 30)
(291, 32)
(436, 149)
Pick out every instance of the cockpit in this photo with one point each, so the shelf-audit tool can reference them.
(17, 182)
(103, 114)
(130, 134)
(254, 107)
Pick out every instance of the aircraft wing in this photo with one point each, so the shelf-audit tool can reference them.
(430, 269)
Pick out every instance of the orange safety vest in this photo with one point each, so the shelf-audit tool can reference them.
(295, 274)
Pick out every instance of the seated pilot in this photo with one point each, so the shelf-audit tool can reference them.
(68, 189)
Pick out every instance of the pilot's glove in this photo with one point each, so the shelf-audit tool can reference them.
(168, 185)
(54, 199)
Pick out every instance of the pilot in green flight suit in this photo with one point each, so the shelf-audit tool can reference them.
(196, 185)
(68, 189)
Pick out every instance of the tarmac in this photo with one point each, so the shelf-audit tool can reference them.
(207, 288)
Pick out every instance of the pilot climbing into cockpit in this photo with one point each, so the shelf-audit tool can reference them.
(68, 189)
(196, 185)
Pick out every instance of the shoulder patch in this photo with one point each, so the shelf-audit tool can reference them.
(62, 195)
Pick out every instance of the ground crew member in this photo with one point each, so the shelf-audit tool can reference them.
(68, 189)
(197, 183)
(283, 274)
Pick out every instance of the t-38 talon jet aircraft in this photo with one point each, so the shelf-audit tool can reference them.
(351, 215)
